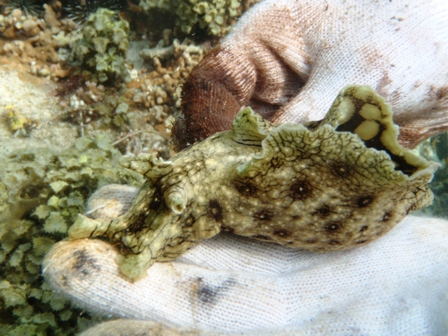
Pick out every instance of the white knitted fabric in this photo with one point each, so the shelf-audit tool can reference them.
(396, 285)
(397, 47)
(302, 53)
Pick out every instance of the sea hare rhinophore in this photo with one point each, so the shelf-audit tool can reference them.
(332, 185)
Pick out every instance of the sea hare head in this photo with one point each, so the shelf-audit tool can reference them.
(332, 185)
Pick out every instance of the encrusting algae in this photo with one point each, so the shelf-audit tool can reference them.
(100, 47)
(333, 185)
(41, 193)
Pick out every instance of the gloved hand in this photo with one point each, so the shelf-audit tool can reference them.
(289, 59)
(397, 284)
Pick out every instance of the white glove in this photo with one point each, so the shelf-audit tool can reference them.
(395, 285)
(288, 59)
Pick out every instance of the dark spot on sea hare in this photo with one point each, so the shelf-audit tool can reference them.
(215, 210)
(282, 233)
(246, 189)
(263, 215)
(137, 225)
(156, 200)
(386, 217)
(301, 190)
(323, 211)
(333, 227)
(364, 201)
(189, 221)
(341, 169)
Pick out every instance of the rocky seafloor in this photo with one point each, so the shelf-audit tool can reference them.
(81, 86)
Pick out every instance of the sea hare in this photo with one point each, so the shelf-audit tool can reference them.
(331, 185)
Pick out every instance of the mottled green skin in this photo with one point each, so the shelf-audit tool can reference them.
(318, 189)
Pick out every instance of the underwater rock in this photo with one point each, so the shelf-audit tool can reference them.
(328, 186)
(215, 16)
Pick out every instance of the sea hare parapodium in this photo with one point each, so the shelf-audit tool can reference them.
(328, 186)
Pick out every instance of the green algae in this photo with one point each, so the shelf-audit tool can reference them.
(99, 48)
(41, 193)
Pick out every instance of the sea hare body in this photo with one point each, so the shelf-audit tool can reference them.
(333, 185)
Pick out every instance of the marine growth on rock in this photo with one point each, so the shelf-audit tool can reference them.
(100, 47)
(214, 16)
(79, 12)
